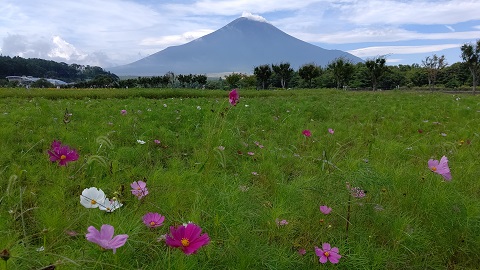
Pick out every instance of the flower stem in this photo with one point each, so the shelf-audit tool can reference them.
(348, 218)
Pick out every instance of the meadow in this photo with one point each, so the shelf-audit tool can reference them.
(249, 175)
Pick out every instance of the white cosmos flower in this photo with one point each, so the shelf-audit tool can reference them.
(110, 205)
(92, 197)
(140, 142)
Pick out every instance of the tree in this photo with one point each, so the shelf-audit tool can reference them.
(263, 73)
(284, 71)
(342, 71)
(376, 68)
(433, 65)
(471, 56)
(308, 72)
(233, 79)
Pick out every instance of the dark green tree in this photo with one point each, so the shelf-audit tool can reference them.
(376, 68)
(342, 71)
(233, 80)
(284, 72)
(471, 56)
(433, 65)
(308, 72)
(263, 74)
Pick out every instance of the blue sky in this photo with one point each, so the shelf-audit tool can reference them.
(116, 32)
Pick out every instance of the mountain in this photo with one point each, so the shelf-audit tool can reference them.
(237, 47)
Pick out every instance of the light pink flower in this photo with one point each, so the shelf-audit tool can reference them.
(233, 97)
(187, 238)
(301, 252)
(251, 153)
(62, 153)
(123, 112)
(327, 254)
(104, 237)
(440, 167)
(325, 209)
(139, 189)
(307, 133)
(331, 131)
(282, 222)
(153, 220)
(156, 141)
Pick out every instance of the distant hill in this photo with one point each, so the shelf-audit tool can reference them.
(18, 66)
(237, 47)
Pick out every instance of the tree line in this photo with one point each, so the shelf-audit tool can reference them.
(40, 68)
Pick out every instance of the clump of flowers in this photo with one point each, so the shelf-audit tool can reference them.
(92, 197)
(307, 133)
(187, 237)
(356, 191)
(139, 189)
(325, 209)
(440, 167)
(233, 97)
(104, 238)
(153, 220)
(326, 253)
(62, 153)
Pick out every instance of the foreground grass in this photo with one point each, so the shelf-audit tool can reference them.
(410, 218)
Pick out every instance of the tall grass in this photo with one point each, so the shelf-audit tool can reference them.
(409, 219)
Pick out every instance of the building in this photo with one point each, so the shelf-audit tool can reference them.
(28, 80)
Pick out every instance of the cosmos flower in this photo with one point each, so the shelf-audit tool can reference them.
(233, 97)
(92, 197)
(282, 222)
(110, 205)
(104, 238)
(187, 237)
(331, 131)
(156, 141)
(62, 153)
(307, 133)
(325, 209)
(123, 112)
(153, 220)
(327, 254)
(440, 167)
(139, 189)
(140, 142)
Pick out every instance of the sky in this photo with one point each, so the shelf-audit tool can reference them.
(108, 33)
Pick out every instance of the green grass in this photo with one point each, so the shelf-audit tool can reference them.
(410, 218)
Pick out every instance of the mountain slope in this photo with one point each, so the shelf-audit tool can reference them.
(237, 47)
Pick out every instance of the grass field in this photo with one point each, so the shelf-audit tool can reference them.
(245, 174)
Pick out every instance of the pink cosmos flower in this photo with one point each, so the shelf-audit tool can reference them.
(123, 112)
(233, 97)
(139, 189)
(104, 238)
(187, 238)
(156, 141)
(62, 153)
(327, 254)
(440, 167)
(153, 220)
(251, 153)
(307, 133)
(301, 252)
(325, 209)
(281, 222)
(331, 131)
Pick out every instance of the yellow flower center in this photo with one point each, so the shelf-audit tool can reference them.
(434, 168)
(152, 223)
(93, 202)
(326, 253)
(185, 242)
(62, 157)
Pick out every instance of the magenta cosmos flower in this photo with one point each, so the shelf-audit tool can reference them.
(440, 167)
(233, 97)
(327, 254)
(307, 133)
(331, 131)
(153, 220)
(187, 238)
(139, 189)
(325, 209)
(62, 153)
(123, 112)
(104, 238)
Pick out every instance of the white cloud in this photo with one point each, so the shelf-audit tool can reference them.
(387, 50)
(251, 16)
(171, 40)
